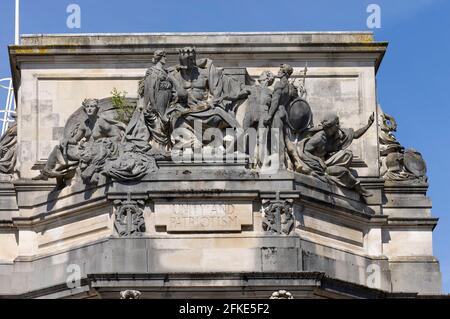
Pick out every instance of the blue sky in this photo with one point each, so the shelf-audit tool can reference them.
(413, 81)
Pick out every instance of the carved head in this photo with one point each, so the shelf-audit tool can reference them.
(90, 106)
(159, 56)
(330, 124)
(285, 71)
(188, 57)
(266, 78)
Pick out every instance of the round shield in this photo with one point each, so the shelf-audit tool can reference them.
(299, 115)
(414, 163)
(394, 162)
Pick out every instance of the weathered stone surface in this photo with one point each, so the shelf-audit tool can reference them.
(203, 216)
(164, 227)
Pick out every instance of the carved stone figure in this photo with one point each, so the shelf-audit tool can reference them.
(149, 122)
(276, 117)
(204, 95)
(197, 92)
(388, 141)
(398, 164)
(129, 218)
(8, 150)
(260, 100)
(89, 138)
(278, 218)
(325, 154)
(132, 163)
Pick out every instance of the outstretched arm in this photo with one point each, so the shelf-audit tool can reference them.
(233, 98)
(364, 129)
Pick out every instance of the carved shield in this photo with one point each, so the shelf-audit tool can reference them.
(414, 163)
(299, 115)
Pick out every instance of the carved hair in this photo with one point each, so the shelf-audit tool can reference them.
(330, 120)
(86, 102)
(158, 55)
(266, 76)
(287, 69)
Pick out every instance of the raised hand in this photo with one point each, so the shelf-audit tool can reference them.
(371, 119)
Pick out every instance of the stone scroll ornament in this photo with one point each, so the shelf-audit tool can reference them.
(129, 218)
(398, 164)
(278, 218)
(8, 150)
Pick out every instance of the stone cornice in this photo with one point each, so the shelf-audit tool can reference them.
(139, 47)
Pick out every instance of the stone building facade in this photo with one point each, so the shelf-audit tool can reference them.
(111, 211)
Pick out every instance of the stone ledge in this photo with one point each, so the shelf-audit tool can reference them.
(427, 223)
(237, 285)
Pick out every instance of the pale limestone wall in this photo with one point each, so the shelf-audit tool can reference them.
(9, 249)
(408, 242)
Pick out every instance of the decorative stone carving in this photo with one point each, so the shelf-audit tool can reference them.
(130, 294)
(129, 218)
(196, 91)
(150, 123)
(100, 147)
(203, 94)
(259, 102)
(282, 294)
(278, 217)
(325, 154)
(276, 117)
(398, 164)
(91, 137)
(8, 150)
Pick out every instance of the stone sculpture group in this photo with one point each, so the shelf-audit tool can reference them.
(177, 105)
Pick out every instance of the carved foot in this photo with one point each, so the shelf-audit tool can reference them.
(364, 192)
(40, 177)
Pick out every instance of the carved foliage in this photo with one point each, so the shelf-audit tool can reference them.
(129, 216)
(278, 217)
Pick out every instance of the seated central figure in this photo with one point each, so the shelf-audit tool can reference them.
(203, 94)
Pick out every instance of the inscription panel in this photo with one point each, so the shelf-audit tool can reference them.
(203, 216)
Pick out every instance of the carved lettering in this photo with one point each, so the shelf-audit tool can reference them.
(203, 217)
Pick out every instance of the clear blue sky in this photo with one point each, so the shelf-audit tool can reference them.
(413, 82)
